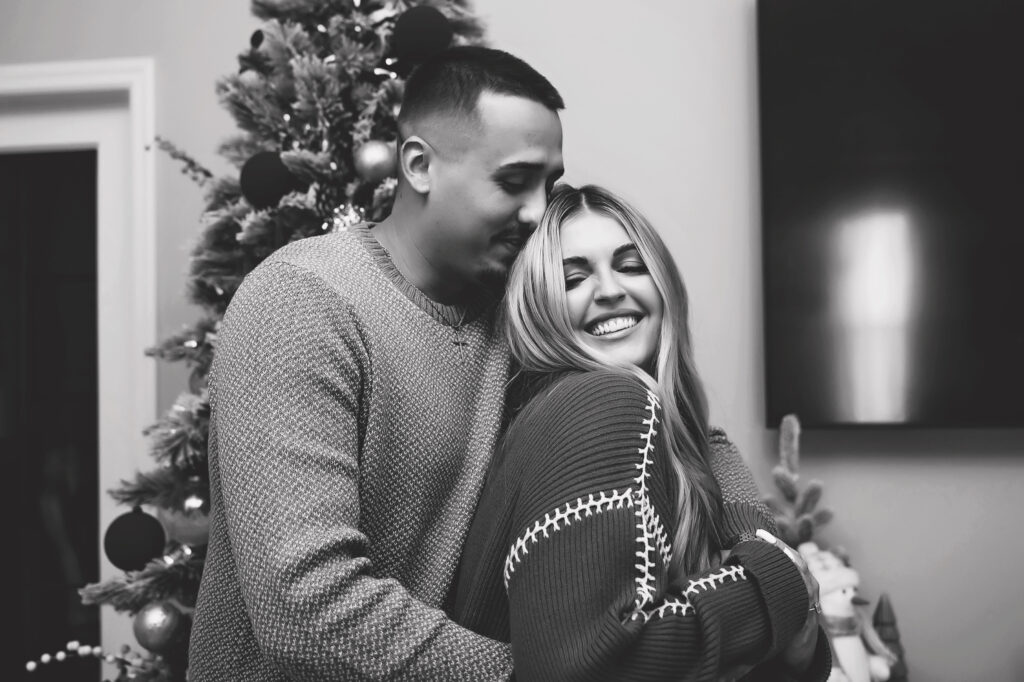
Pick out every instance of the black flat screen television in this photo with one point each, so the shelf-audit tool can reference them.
(892, 189)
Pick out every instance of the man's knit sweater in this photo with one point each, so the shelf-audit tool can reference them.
(568, 554)
(353, 422)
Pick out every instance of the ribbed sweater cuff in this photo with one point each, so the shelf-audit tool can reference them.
(821, 665)
(740, 520)
(781, 585)
(819, 669)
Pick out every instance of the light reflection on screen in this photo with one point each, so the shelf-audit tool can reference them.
(872, 283)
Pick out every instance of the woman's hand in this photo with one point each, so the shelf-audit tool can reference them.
(800, 651)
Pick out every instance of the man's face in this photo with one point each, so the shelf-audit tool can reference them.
(489, 194)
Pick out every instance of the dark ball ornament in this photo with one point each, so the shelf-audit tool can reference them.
(265, 179)
(157, 626)
(133, 539)
(420, 32)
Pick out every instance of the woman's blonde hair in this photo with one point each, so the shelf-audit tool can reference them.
(542, 340)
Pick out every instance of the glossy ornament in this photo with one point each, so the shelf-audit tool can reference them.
(376, 160)
(157, 626)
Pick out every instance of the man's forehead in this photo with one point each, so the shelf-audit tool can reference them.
(518, 130)
(500, 110)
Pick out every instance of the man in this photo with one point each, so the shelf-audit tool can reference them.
(357, 393)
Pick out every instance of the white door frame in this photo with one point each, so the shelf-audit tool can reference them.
(106, 105)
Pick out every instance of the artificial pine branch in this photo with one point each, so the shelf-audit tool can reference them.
(307, 165)
(383, 196)
(307, 10)
(796, 509)
(190, 167)
(237, 149)
(256, 228)
(179, 438)
(219, 234)
(247, 100)
(158, 581)
(165, 487)
(193, 344)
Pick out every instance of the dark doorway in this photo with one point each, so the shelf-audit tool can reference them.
(49, 404)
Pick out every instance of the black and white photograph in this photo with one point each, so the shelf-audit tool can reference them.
(513, 340)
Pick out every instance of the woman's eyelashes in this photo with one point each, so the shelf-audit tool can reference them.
(629, 265)
(574, 280)
(632, 266)
(627, 259)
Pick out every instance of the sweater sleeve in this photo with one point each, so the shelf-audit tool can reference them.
(743, 509)
(745, 512)
(289, 378)
(587, 569)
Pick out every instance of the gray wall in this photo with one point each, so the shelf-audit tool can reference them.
(662, 108)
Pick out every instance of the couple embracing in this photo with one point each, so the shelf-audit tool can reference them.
(470, 442)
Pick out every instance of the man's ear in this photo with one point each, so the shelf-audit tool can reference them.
(414, 157)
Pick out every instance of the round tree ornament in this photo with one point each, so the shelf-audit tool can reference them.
(133, 539)
(376, 160)
(265, 179)
(157, 626)
(420, 32)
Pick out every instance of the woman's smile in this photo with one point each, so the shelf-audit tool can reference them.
(614, 327)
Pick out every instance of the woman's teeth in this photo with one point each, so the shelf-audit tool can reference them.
(615, 324)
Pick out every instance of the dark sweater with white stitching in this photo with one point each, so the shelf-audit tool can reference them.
(568, 554)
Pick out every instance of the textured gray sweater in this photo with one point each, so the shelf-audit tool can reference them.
(353, 421)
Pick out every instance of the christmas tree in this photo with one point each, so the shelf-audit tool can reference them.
(315, 99)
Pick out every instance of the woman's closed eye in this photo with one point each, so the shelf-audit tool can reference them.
(631, 263)
(632, 266)
(574, 279)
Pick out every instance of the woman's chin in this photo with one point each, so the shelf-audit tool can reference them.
(618, 354)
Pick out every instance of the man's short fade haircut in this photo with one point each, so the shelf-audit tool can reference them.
(451, 82)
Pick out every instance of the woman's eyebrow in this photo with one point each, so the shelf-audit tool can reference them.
(580, 260)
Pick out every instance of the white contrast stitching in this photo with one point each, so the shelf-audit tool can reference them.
(651, 534)
(712, 581)
(648, 524)
(561, 517)
(681, 607)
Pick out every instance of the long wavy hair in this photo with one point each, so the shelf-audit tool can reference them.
(536, 322)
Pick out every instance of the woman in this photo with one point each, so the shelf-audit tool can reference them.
(596, 547)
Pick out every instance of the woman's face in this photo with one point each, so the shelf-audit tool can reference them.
(614, 305)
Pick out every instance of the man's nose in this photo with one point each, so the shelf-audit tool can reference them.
(532, 210)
